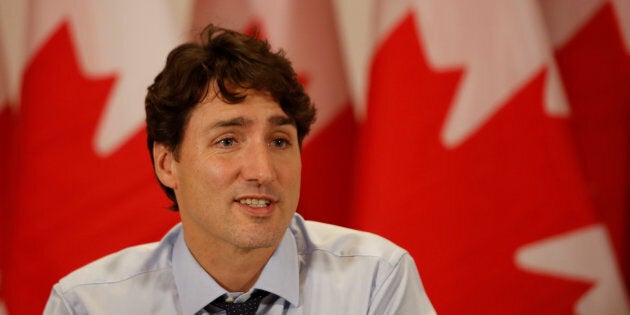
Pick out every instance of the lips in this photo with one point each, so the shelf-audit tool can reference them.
(255, 202)
(257, 206)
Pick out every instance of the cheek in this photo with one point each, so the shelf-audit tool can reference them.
(298, 172)
(203, 176)
(293, 175)
(214, 177)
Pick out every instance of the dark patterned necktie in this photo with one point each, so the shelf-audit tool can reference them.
(248, 307)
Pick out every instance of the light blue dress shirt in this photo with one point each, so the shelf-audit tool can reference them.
(317, 269)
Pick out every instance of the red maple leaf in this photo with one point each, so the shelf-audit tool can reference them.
(70, 206)
(596, 72)
(463, 212)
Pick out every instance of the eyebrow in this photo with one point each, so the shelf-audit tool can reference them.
(239, 121)
(277, 120)
(281, 120)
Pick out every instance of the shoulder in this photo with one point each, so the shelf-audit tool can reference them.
(341, 264)
(123, 266)
(340, 242)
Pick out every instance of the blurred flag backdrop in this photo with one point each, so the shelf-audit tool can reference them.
(489, 138)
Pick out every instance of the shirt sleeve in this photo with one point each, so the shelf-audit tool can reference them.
(56, 305)
(402, 292)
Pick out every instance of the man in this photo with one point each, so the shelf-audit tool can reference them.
(226, 118)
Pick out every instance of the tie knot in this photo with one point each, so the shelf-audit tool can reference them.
(248, 307)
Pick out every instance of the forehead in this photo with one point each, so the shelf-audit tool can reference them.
(256, 107)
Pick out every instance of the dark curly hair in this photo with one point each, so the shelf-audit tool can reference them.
(235, 62)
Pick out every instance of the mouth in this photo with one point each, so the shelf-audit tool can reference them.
(254, 202)
(257, 206)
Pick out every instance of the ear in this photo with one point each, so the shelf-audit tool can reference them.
(164, 163)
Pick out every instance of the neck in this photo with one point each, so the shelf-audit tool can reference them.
(235, 269)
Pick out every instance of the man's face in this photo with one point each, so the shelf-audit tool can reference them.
(237, 173)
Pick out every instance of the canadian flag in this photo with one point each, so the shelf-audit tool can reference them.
(495, 149)
(493, 138)
(78, 182)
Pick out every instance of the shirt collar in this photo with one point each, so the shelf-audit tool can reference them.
(197, 288)
(281, 273)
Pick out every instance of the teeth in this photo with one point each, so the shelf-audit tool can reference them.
(255, 202)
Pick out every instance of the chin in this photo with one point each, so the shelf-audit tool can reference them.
(261, 240)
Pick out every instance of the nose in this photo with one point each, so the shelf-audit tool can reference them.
(258, 164)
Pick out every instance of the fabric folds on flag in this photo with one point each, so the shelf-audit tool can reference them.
(478, 154)
(80, 183)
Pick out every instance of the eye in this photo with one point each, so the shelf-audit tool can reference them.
(226, 142)
(280, 143)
